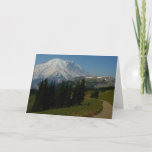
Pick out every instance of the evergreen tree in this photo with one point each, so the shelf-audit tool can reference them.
(95, 94)
(75, 95)
(45, 102)
(60, 95)
(82, 89)
(39, 98)
(78, 92)
(51, 94)
(48, 96)
(68, 93)
(42, 97)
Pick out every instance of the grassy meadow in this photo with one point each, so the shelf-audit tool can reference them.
(89, 106)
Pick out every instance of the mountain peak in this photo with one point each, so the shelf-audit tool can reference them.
(58, 69)
(56, 59)
(60, 61)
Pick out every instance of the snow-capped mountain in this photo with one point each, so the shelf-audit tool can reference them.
(58, 70)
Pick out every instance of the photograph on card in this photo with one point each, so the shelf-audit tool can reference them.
(73, 85)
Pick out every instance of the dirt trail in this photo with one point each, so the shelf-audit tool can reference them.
(106, 112)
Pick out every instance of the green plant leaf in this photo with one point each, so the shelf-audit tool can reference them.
(138, 18)
(137, 38)
(148, 38)
(148, 44)
(143, 29)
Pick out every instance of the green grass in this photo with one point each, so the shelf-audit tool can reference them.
(85, 110)
(88, 108)
(107, 96)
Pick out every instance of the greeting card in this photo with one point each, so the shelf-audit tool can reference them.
(75, 85)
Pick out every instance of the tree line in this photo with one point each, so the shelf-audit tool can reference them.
(95, 94)
(52, 95)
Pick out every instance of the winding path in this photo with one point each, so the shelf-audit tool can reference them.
(106, 112)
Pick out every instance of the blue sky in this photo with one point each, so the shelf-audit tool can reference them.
(96, 65)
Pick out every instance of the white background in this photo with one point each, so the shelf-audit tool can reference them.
(95, 27)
